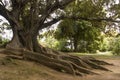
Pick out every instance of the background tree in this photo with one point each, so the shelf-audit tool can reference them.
(116, 46)
(27, 17)
(78, 33)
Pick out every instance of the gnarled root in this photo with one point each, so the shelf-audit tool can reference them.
(61, 62)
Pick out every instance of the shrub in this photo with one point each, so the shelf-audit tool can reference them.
(116, 46)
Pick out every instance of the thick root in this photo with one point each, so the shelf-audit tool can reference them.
(99, 62)
(61, 62)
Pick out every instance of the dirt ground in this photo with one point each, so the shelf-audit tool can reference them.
(26, 70)
(114, 75)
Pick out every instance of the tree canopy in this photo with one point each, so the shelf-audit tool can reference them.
(78, 32)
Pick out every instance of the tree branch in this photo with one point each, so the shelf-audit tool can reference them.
(17, 3)
(78, 18)
(52, 22)
(52, 8)
(4, 12)
(58, 4)
(2, 2)
(93, 19)
(8, 15)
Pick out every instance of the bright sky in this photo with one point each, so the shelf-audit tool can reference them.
(7, 34)
(117, 1)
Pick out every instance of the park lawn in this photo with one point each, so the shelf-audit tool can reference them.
(100, 55)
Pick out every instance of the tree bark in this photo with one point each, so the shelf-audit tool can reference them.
(22, 39)
(15, 42)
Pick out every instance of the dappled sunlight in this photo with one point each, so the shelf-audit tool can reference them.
(108, 53)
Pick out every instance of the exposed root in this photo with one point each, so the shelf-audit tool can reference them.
(95, 66)
(99, 62)
(61, 62)
(77, 61)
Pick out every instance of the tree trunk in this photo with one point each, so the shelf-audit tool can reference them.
(22, 39)
(75, 45)
(15, 42)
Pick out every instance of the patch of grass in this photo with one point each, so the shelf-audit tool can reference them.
(100, 55)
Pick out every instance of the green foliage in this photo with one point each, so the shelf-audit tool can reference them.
(3, 42)
(0, 40)
(65, 29)
(116, 46)
(62, 46)
(47, 39)
(111, 44)
(85, 36)
(104, 45)
(95, 8)
(78, 32)
(107, 44)
(5, 29)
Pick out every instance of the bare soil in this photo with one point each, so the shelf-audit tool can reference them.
(11, 69)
